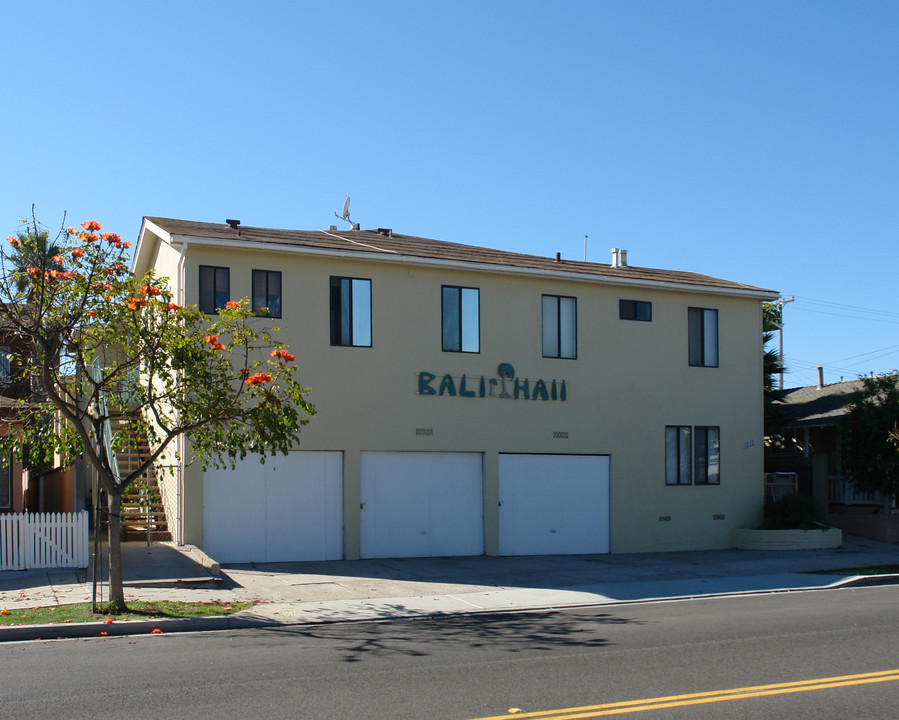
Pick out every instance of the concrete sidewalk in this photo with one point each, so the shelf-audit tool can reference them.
(292, 593)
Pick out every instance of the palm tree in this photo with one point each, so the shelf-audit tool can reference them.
(32, 249)
(772, 366)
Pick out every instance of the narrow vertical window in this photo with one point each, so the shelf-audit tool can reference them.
(350, 312)
(6, 482)
(702, 337)
(706, 456)
(678, 460)
(214, 288)
(559, 326)
(5, 367)
(267, 293)
(460, 319)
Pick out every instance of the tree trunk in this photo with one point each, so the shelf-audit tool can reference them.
(116, 589)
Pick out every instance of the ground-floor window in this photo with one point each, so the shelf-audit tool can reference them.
(692, 455)
(5, 483)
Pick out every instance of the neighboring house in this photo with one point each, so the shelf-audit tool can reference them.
(13, 482)
(477, 401)
(810, 447)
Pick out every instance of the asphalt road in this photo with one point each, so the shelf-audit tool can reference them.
(483, 666)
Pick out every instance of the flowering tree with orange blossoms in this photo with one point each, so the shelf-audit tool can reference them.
(99, 344)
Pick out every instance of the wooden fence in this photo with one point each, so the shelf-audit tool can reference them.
(43, 540)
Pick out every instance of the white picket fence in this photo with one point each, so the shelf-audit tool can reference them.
(43, 540)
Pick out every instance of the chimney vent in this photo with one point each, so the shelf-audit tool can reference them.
(233, 223)
(332, 228)
(386, 232)
(558, 257)
(820, 377)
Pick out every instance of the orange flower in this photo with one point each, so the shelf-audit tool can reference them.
(55, 274)
(71, 230)
(78, 252)
(34, 272)
(110, 237)
(92, 313)
(211, 339)
(126, 244)
(89, 237)
(91, 225)
(13, 241)
(155, 631)
(173, 306)
(107, 621)
(284, 355)
(134, 303)
(218, 346)
(150, 290)
(258, 379)
(58, 259)
(232, 303)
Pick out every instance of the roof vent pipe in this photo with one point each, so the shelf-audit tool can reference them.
(558, 257)
(619, 258)
(820, 377)
(233, 223)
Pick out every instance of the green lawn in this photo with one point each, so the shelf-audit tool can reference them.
(137, 610)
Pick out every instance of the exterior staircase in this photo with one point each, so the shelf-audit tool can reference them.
(143, 501)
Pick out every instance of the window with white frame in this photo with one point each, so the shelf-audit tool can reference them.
(692, 455)
(559, 326)
(460, 319)
(703, 336)
(350, 311)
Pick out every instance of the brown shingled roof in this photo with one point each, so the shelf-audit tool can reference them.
(373, 241)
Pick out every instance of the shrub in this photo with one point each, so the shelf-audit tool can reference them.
(792, 512)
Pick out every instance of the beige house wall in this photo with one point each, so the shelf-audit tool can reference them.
(629, 381)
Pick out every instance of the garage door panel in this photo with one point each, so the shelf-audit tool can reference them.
(553, 504)
(421, 504)
(289, 509)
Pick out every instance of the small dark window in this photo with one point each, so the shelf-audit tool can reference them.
(267, 293)
(350, 312)
(214, 288)
(635, 310)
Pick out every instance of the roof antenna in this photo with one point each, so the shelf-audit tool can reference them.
(346, 215)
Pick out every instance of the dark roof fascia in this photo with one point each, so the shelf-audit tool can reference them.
(371, 245)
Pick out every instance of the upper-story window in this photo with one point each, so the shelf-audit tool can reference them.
(350, 311)
(215, 288)
(461, 323)
(635, 310)
(267, 293)
(559, 326)
(5, 366)
(703, 336)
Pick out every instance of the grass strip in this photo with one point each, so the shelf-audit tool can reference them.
(137, 610)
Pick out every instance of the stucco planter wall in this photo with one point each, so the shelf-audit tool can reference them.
(753, 539)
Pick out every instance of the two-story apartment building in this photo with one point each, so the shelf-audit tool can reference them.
(477, 401)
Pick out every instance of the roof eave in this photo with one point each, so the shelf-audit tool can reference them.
(757, 294)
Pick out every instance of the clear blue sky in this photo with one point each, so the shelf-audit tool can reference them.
(752, 141)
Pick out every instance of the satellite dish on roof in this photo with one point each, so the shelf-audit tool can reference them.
(346, 215)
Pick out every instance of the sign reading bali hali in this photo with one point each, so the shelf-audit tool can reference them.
(498, 387)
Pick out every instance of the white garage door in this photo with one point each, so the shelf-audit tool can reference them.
(421, 504)
(289, 509)
(553, 504)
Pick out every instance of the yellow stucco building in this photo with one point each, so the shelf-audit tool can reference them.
(477, 401)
